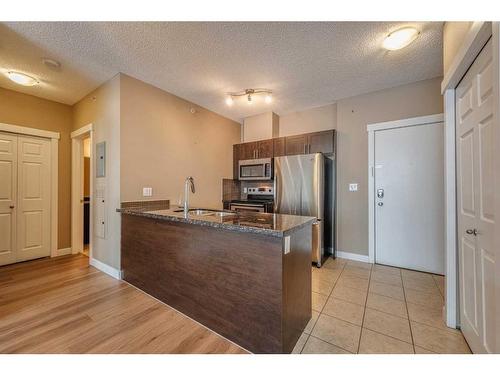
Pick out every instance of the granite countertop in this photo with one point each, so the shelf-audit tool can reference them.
(276, 225)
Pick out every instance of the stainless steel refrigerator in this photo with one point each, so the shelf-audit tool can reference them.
(299, 188)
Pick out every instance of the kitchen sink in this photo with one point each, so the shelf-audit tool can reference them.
(206, 212)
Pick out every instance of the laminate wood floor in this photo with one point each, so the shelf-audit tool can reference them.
(63, 305)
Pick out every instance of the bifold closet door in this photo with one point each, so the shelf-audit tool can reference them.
(33, 211)
(8, 198)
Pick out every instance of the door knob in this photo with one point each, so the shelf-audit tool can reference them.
(380, 204)
(11, 206)
(471, 231)
(380, 193)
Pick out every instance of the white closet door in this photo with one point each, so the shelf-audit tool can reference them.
(33, 212)
(8, 197)
(475, 199)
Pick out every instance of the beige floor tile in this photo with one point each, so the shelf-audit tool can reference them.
(427, 315)
(387, 324)
(300, 344)
(334, 263)
(337, 332)
(344, 310)
(356, 272)
(421, 285)
(318, 301)
(439, 340)
(373, 343)
(317, 346)
(355, 263)
(321, 286)
(353, 282)
(419, 350)
(440, 283)
(386, 278)
(325, 274)
(387, 269)
(349, 294)
(416, 275)
(312, 322)
(387, 290)
(417, 297)
(387, 304)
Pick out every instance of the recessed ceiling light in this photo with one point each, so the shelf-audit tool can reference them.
(22, 79)
(400, 38)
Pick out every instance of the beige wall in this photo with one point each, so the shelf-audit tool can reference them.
(102, 108)
(30, 111)
(309, 120)
(162, 143)
(259, 127)
(453, 36)
(353, 114)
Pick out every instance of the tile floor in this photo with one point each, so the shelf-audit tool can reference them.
(360, 308)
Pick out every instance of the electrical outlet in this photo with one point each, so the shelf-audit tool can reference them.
(147, 192)
(353, 187)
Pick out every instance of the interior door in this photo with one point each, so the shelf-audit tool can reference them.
(8, 197)
(409, 197)
(475, 200)
(33, 211)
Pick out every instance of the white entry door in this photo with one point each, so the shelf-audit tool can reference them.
(409, 197)
(24, 198)
(8, 198)
(475, 203)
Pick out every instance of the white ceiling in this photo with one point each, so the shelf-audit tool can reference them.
(306, 64)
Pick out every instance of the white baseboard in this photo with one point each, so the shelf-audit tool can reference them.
(113, 272)
(65, 251)
(353, 256)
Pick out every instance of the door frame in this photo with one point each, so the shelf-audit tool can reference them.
(54, 177)
(372, 129)
(77, 138)
(476, 38)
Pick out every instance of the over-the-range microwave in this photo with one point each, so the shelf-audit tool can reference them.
(255, 169)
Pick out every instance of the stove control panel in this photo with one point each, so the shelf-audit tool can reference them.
(262, 190)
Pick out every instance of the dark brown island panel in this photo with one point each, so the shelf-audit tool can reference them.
(225, 273)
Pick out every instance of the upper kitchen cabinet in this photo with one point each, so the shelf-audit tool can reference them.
(296, 144)
(257, 150)
(310, 143)
(279, 146)
(322, 142)
(265, 149)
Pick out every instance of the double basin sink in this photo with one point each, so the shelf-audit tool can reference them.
(206, 212)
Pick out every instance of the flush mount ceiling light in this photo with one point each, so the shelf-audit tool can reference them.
(22, 79)
(249, 93)
(400, 38)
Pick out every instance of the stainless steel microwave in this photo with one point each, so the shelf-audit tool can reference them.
(255, 169)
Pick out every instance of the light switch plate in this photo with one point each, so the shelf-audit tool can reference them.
(353, 187)
(147, 192)
(286, 245)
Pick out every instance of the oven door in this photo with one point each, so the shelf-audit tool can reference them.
(247, 207)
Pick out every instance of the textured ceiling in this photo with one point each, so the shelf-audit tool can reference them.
(306, 64)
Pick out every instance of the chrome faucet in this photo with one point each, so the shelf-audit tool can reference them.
(187, 184)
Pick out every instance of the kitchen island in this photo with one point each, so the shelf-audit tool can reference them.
(246, 276)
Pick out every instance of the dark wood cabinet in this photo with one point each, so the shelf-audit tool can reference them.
(279, 147)
(237, 156)
(265, 149)
(296, 144)
(323, 141)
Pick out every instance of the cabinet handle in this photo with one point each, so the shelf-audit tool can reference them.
(305, 149)
(11, 206)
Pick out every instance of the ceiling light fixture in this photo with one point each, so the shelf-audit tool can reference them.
(400, 38)
(22, 79)
(249, 93)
